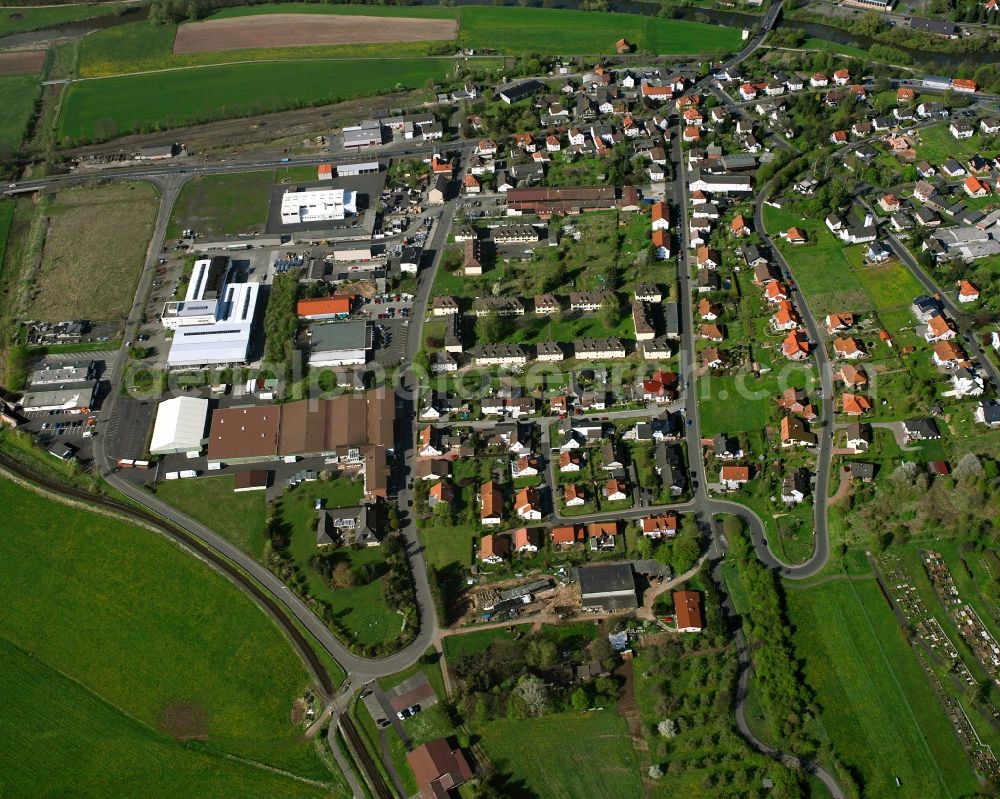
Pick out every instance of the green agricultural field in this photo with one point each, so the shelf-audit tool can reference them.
(740, 403)
(579, 32)
(877, 706)
(565, 755)
(239, 518)
(18, 92)
(141, 46)
(102, 109)
(18, 20)
(102, 749)
(218, 205)
(118, 645)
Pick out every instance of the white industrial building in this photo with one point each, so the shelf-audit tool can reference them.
(180, 426)
(317, 205)
(73, 399)
(214, 322)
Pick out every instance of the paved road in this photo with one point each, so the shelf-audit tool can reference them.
(953, 309)
(823, 428)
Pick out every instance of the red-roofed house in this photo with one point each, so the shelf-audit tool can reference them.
(795, 347)
(438, 767)
(732, 477)
(739, 226)
(659, 526)
(336, 307)
(855, 404)
(661, 244)
(494, 548)
(974, 187)
(567, 535)
(687, 612)
(967, 292)
(938, 329)
(525, 541)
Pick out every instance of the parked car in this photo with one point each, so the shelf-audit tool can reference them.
(406, 712)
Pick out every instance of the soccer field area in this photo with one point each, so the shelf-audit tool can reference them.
(131, 668)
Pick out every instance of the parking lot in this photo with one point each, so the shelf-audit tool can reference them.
(389, 341)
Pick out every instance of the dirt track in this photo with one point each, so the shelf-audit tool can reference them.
(299, 30)
(21, 62)
(282, 126)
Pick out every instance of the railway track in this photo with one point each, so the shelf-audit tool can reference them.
(177, 534)
(364, 759)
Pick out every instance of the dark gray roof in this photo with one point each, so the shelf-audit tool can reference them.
(610, 584)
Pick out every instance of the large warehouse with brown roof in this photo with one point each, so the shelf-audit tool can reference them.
(564, 200)
(354, 428)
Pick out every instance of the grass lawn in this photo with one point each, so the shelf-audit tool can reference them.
(18, 92)
(937, 145)
(217, 205)
(362, 609)
(891, 286)
(819, 267)
(878, 708)
(152, 643)
(95, 110)
(239, 518)
(17, 20)
(812, 43)
(457, 647)
(96, 244)
(447, 545)
(555, 756)
(739, 403)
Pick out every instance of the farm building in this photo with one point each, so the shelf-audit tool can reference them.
(610, 586)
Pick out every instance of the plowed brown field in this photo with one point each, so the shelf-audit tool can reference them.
(298, 30)
(21, 62)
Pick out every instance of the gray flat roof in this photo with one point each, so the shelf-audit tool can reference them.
(352, 335)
